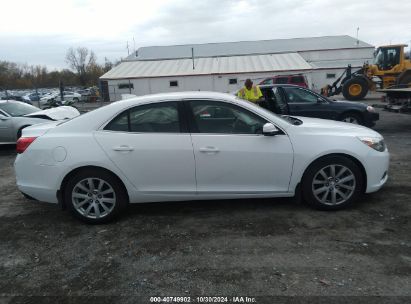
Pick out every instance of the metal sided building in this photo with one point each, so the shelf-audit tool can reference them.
(223, 67)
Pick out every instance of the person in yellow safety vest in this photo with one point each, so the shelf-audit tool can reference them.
(250, 92)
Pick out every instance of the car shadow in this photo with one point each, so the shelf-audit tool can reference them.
(7, 149)
(209, 207)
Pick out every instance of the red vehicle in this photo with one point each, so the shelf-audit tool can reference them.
(299, 80)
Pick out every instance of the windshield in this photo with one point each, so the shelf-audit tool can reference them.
(16, 109)
(379, 57)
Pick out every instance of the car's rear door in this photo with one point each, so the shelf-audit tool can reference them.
(150, 144)
(231, 154)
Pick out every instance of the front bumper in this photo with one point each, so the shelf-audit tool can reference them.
(370, 118)
(376, 167)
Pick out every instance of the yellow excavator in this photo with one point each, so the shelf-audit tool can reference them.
(391, 67)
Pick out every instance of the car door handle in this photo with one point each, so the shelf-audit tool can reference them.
(209, 150)
(123, 149)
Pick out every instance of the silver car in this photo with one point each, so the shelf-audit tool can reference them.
(16, 115)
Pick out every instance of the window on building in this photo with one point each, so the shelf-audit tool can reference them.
(173, 83)
(232, 81)
(330, 75)
(126, 86)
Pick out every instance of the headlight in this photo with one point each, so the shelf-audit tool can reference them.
(377, 143)
(371, 109)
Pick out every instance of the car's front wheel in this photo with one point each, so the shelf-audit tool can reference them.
(353, 118)
(332, 183)
(94, 196)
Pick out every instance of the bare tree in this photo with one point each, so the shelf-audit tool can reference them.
(81, 60)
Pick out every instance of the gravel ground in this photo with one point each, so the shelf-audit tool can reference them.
(254, 248)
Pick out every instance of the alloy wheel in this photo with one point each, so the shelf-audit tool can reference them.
(351, 119)
(93, 198)
(333, 184)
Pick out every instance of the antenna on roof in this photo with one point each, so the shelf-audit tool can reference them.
(358, 41)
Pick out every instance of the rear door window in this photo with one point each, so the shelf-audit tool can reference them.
(160, 117)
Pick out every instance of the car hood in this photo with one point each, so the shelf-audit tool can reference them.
(317, 125)
(59, 113)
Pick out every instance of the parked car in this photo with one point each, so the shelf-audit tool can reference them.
(299, 80)
(195, 146)
(16, 98)
(16, 115)
(294, 100)
(32, 97)
(67, 96)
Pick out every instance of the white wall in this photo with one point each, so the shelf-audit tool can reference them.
(218, 83)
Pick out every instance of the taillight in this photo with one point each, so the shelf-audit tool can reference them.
(23, 143)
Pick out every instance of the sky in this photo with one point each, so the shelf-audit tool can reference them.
(40, 32)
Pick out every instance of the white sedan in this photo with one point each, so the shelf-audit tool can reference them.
(195, 146)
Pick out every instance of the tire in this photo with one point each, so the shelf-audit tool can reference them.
(355, 89)
(404, 78)
(324, 189)
(91, 205)
(353, 118)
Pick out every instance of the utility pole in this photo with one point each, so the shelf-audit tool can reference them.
(128, 50)
(358, 41)
(192, 56)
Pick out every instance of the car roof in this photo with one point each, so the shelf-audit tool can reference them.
(178, 96)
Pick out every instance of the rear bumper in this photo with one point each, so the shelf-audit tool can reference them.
(39, 193)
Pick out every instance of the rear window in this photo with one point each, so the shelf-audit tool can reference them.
(16, 109)
(267, 81)
(281, 80)
(297, 79)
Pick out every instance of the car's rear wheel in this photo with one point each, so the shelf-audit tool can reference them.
(95, 196)
(332, 183)
(353, 118)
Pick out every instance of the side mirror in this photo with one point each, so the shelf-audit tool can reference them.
(2, 117)
(270, 130)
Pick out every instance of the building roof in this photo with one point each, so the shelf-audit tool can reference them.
(248, 47)
(206, 66)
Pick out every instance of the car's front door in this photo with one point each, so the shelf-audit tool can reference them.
(149, 144)
(231, 154)
(302, 102)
